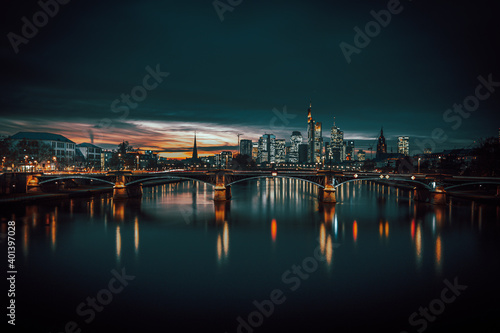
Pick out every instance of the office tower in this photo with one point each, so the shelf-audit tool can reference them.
(314, 138)
(295, 141)
(246, 147)
(404, 145)
(303, 153)
(266, 149)
(337, 149)
(280, 150)
(361, 155)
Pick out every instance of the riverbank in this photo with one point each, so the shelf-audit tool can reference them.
(478, 196)
(81, 191)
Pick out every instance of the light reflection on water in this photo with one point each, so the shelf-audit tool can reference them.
(268, 225)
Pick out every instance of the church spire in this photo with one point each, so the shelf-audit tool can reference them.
(195, 149)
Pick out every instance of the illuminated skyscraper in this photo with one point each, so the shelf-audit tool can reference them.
(381, 145)
(295, 141)
(266, 149)
(280, 150)
(404, 145)
(337, 149)
(255, 151)
(314, 138)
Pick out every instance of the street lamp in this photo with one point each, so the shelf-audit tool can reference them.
(137, 162)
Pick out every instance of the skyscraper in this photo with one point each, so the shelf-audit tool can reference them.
(295, 141)
(280, 150)
(337, 149)
(349, 150)
(255, 151)
(404, 145)
(303, 153)
(314, 138)
(266, 149)
(381, 145)
(246, 147)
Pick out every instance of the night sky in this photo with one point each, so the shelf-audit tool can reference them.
(226, 77)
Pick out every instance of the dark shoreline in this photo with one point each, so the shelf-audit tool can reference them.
(463, 196)
(33, 197)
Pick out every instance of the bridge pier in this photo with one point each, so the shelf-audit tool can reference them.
(434, 197)
(222, 193)
(32, 183)
(438, 197)
(328, 194)
(121, 191)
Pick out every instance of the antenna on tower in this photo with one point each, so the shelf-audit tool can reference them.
(239, 148)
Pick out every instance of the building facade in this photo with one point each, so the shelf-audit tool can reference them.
(246, 147)
(314, 138)
(45, 148)
(337, 148)
(280, 151)
(404, 145)
(91, 155)
(266, 150)
(295, 141)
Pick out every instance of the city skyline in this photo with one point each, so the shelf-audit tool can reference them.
(216, 78)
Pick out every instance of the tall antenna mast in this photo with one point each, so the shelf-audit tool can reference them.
(239, 148)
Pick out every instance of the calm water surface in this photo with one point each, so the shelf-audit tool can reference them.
(363, 265)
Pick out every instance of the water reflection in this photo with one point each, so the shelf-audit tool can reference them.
(119, 210)
(418, 246)
(136, 235)
(274, 230)
(53, 227)
(223, 244)
(355, 231)
(25, 239)
(438, 260)
(258, 206)
(118, 244)
(325, 244)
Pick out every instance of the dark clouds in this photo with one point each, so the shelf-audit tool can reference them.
(228, 76)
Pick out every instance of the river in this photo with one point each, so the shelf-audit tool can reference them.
(272, 259)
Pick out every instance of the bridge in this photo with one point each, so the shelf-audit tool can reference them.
(428, 188)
